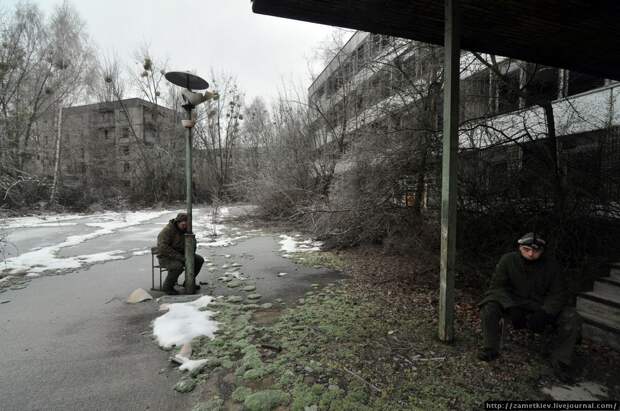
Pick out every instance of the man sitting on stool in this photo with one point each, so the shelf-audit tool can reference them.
(529, 290)
(171, 253)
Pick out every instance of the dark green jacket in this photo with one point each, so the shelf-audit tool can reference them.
(529, 284)
(171, 242)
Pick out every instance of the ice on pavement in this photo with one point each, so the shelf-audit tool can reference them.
(41, 221)
(46, 258)
(289, 244)
(183, 322)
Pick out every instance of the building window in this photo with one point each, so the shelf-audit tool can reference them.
(376, 43)
(319, 92)
(508, 92)
(125, 150)
(360, 55)
(126, 167)
(579, 82)
(543, 87)
(106, 134)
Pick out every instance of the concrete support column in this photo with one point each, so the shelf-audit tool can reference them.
(522, 83)
(562, 83)
(452, 55)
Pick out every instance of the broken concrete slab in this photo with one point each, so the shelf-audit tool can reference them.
(584, 391)
(139, 295)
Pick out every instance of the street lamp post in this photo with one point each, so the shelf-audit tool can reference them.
(190, 237)
(189, 82)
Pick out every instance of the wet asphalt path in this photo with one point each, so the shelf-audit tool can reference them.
(70, 342)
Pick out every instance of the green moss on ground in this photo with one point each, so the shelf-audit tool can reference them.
(265, 400)
(215, 404)
(325, 259)
(350, 350)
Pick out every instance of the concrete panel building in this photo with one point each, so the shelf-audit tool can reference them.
(104, 146)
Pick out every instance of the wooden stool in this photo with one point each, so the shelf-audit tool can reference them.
(153, 267)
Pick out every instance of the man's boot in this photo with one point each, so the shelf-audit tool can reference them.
(170, 281)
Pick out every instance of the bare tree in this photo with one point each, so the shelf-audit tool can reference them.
(43, 64)
(218, 132)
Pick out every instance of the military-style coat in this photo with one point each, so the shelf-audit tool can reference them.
(171, 242)
(528, 284)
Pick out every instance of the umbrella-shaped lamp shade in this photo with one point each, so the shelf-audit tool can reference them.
(187, 80)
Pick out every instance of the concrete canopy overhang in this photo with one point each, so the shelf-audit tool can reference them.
(580, 35)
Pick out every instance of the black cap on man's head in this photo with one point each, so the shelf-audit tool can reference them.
(181, 217)
(532, 240)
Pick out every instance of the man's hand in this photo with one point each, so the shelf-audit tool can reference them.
(538, 320)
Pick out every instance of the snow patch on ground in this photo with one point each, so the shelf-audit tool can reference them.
(46, 258)
(290, 244)
(222, 242)
(183, 322)
(141, 252)
(204, 226)
(191, 365)
(99, 257)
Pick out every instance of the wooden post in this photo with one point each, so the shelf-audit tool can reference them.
(452, 56)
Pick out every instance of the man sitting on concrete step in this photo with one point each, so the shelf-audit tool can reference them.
(529, 290)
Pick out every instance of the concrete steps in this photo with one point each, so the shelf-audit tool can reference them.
(600, 309)
(608, 287)
(614, 271)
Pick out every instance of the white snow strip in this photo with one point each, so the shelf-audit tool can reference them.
(183, 322)
(99, 257)
(141, 252)
(33, 275)
(289, 244)
(222, 242)
(46, 258)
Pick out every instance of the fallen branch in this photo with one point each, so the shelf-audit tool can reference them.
(363, 380)
(428, 359)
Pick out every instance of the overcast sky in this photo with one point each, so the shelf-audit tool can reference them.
(261, 51)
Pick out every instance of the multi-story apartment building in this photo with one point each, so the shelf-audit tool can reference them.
(378, 83)
(104, 145)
